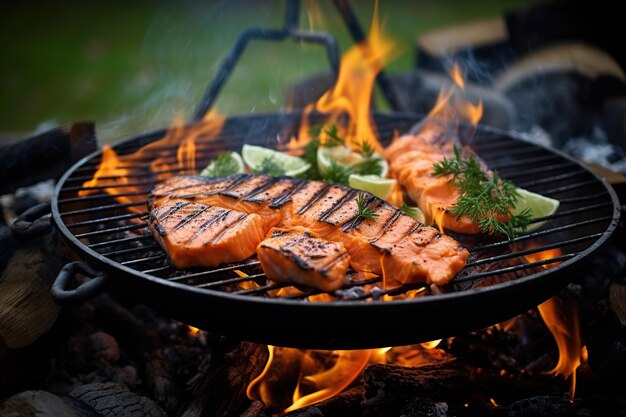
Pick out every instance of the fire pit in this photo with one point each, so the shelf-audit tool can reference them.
(142, 336)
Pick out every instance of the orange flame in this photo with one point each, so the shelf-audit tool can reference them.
(349, 100)
(452, 105)
(116, 173)
(561, 317)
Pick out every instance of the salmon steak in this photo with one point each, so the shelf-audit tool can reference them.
(295, 255)
(411, 158)
(388, 243)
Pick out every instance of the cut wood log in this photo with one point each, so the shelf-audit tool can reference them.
(38, 404)
(116, 400)
(221, 391)
(27, 309)
(343, 404)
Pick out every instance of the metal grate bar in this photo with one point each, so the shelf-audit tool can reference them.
(540, 233)
(106, 220)
(112, 230)
(555, 178)
(311, 292)
(103, 187)
(146, 259)
(533, 171)
(570, 187)
(118, 241)
(515, 268)
(205, 274)
(572, 200)
(230, 281)
(160, 269)
(504, 165)
(101, 208)
(532, 250)
(263, 288)
(127, 251)
(96, 197)
(574, 211)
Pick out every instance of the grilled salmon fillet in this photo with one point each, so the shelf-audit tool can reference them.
(195, 234)
(411, 158)
(296, 255)
(391, 244)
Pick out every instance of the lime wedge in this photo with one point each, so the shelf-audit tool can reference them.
(224, 165)
(254, 157)
(345, 156)
(540, 205)
(377, 185)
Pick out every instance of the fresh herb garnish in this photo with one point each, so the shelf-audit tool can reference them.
(363, 211)
(223, 166)
(485, 199)
(411, 211)
(270, 167)
(365, 148)
(337, 173)
(332, 137)
(368, 166)
(310, 156)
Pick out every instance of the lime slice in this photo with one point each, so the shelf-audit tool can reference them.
(377, 185)
(539, 204)
(254, 156)
(343, 155)
(224, 165)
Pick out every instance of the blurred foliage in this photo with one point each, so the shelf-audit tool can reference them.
(134, 66)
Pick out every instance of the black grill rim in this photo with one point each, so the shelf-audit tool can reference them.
(114, 266)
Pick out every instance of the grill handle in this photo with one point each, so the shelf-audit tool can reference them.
(33, 223)
(62, 295)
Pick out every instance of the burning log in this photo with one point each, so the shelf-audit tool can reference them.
(346, 403)
(221, 389)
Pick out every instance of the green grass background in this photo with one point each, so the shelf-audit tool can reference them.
(132, 66)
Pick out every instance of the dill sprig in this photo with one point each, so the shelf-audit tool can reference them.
(223, 166)
(332, 137)
(310, 156)
(270, 167)
(368, 166)
(337, 173)
(411, 211)
(485, 198)
(365, 148)
(363, 211)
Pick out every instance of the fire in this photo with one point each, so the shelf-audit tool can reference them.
(295, 378)
(309, 375)
(124, 176)
(560, 315)
(452, 105)
(348, 102)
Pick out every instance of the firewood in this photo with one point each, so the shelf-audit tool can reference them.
(112, 399)
(38, 404)
(142, 343)
(343, 404)
(425, 407)
(391, 384)
(221, 391)
(27, 309)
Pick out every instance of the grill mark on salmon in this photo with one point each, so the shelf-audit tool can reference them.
(394, 244)
(314, 199)
(340, 204)
(200, 235)
(219, 216)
